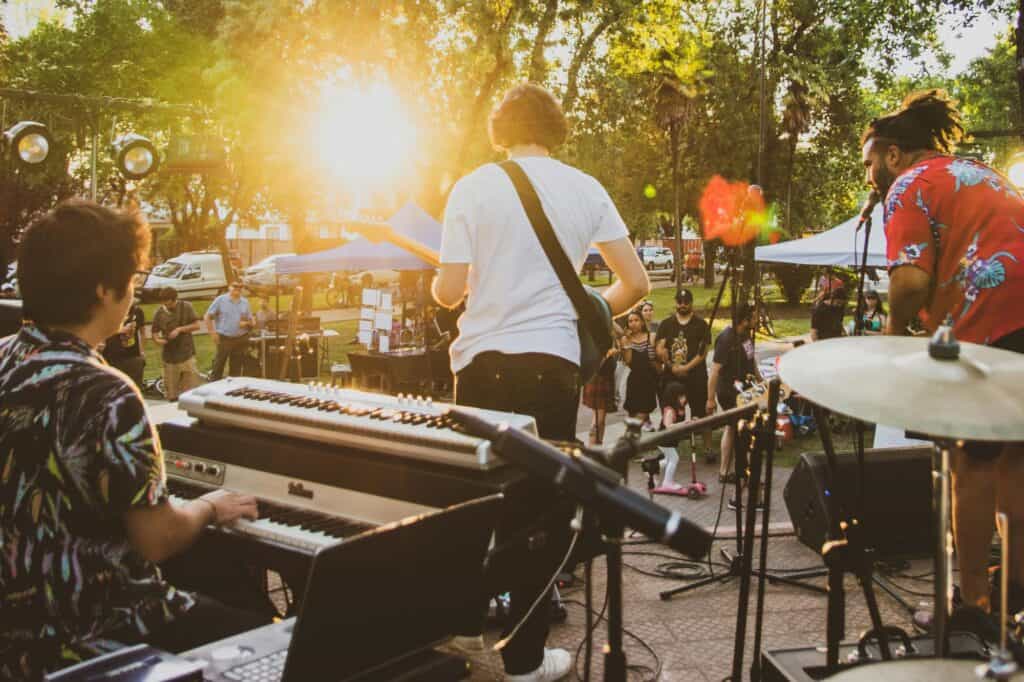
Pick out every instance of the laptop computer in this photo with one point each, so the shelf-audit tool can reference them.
(371, 602)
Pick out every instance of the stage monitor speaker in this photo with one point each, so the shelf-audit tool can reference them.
(309, 364)
(897, 515)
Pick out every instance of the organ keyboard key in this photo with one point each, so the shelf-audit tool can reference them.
(302, 529)
(405, 426)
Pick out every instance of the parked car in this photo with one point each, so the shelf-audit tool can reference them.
(656, 257)
(193, 274)
(263, 275)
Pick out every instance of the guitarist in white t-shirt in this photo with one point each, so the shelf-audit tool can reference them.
(518, 348)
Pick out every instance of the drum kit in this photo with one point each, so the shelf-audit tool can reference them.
(948, 391)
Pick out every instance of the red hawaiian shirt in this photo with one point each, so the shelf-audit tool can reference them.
(963, 224)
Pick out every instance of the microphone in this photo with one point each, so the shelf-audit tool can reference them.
(590, 483)
(868, 208)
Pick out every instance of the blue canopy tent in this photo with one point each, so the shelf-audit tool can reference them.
(361, 254)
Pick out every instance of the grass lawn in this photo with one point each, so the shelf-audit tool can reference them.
(338, 348)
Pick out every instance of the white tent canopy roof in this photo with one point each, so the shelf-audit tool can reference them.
(843, 245)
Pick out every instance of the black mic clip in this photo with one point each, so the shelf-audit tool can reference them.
(869, 207)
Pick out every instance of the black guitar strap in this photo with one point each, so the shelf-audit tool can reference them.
(556, 255)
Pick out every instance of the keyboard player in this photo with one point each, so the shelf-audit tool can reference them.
(84, 511)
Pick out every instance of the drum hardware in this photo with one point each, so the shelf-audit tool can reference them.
(1002, 666)
(908, 382)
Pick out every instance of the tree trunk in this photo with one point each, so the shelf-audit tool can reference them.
(709, 264)
(580, 57)
(677, 228)
(502, 60)
(538, 65)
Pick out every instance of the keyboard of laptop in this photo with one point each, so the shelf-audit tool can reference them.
(268, 668)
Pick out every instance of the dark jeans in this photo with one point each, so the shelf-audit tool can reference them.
(133, 365)
(547, 388)
(231, 351)
(207, 621)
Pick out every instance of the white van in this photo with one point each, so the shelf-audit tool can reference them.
(194, 274)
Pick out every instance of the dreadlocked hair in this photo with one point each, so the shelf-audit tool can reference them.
(926, 120)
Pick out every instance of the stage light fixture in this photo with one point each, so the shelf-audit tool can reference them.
(1015, 170)
(28, 142)
(135, 156)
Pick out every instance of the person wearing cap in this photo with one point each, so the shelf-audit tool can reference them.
(681, 345)
(827, 316)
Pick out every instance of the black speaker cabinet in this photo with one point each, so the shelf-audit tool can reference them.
(309, 348)
(897, 512)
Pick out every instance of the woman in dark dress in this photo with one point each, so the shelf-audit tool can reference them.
(638, 353)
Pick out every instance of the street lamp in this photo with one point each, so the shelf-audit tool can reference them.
(28, 142)
(135, 156)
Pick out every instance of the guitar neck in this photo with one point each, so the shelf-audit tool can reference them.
(380, 232)
(414, 247)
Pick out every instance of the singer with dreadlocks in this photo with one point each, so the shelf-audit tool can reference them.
(955, 246)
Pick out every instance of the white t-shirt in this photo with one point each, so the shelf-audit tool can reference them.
(516, 303)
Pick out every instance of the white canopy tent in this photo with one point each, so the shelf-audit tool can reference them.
(842, 245)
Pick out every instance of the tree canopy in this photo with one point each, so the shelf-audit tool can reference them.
(635, 77)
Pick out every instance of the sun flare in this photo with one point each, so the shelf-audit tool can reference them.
(364, 136)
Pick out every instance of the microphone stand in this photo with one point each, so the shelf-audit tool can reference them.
(845, 550)
(599, 488)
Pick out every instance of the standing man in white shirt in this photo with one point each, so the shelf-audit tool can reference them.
(518, 349)
(228, 320)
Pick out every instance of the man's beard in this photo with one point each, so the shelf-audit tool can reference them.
(883, 182)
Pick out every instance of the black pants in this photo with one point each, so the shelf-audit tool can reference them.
(231, 351)
(207, 621)
(545, 387)
(134, 366)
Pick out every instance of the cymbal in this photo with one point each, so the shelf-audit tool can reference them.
(916, 670)
(894, 381)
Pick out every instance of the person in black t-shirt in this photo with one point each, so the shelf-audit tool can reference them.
(733, 361)
(827, 317)
(681, 346)
(123, 350)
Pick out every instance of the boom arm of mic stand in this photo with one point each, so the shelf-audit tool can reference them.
(627, 448)
(590, 483)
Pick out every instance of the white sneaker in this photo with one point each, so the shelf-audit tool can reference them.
(470, 644)
(556, 664)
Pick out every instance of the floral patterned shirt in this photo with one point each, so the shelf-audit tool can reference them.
(963, 224)
(77, 450)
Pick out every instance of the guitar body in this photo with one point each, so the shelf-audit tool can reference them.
(593, 350)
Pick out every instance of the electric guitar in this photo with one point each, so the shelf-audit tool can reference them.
(382, 232)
